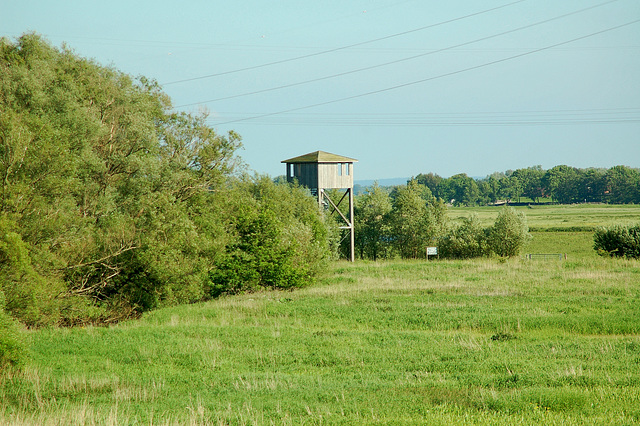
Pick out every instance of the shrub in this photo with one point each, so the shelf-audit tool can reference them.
(509, 233)
(618, 241)
(465, 241)
(416, 218)
(505, 238)
(27, 296)
(280, 239)
(12, 348)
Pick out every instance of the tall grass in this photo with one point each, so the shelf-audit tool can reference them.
(446, 342)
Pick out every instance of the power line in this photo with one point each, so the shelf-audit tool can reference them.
(458, 114)
(399, 86)
(342, 47)
(285, 86)
(510, 118)
(529, 123)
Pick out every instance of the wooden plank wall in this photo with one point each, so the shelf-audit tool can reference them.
(322, 175)
(334, 175)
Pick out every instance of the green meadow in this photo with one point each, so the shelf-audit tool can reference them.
(563, 218)
(485, 341)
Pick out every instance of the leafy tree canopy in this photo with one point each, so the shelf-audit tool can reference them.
(112, 203)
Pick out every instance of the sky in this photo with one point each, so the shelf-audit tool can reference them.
(403, 86)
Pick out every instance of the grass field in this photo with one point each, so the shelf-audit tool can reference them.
(483, 341)
(552, 218)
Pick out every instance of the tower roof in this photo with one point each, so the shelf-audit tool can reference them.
(320, 157)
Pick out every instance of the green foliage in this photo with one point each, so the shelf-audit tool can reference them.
(506, 238)
(509, 233)
(79, 156)
(113, 204)
(618, 241)
(402, 223)
(434, 182)
(461, 190)
(563, 184)
(468, 240)
(623, 185)
(372, 228)
(530, 180)
(12, 344)
(280, 238)
(258, 258)
(28, 296)
(417, 219)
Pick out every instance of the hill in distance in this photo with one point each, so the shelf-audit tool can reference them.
(382, 182)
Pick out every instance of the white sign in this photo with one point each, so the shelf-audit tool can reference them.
(432, 251)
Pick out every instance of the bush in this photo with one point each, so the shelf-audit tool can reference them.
(27, 295)
(618, 241)
(505, 238)
(12, 348)
(509, 233)
(465, 241)
(416, 218)
(280, 239)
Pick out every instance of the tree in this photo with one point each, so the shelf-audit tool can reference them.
(113, 204)
(491, 187)
(512, 187)
(433, 182)
(509, 233)
(623, 184)
(592, 186)
(562, 184)
(530, 180)
(372, 222)
(462, 190)
(415, 223)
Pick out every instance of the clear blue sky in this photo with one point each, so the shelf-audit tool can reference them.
(404, 86)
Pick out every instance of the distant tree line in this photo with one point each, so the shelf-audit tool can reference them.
(112, 204)
(561, 184)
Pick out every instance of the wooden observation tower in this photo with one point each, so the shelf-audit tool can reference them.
(321, 170)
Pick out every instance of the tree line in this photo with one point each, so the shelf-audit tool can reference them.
(561, 184)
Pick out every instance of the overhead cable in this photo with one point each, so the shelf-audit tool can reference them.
(444, 49)
(324, 52)
(399, 86)
(494, 118)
